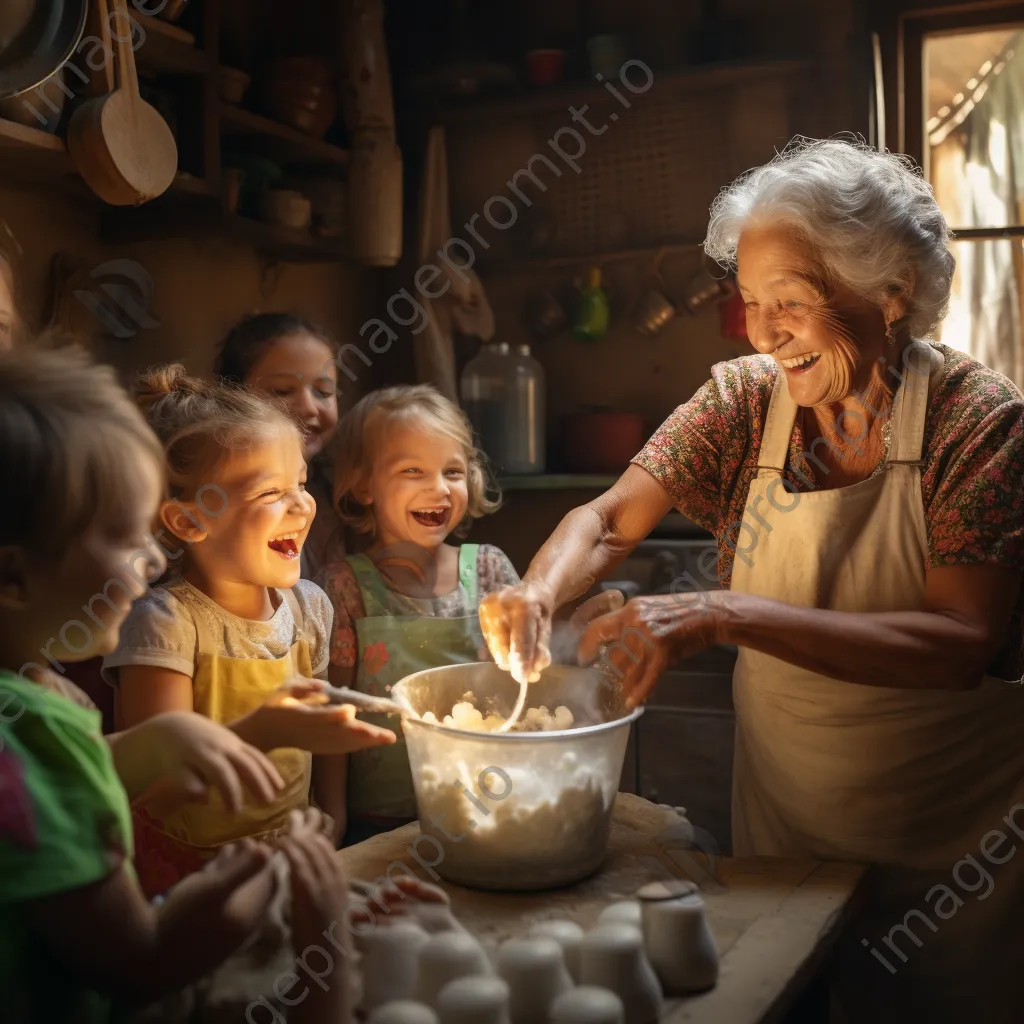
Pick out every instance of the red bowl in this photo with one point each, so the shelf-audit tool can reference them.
(545, 67)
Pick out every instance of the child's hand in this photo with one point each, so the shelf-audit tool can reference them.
(187, 753)
(219, 907)
(298, 715)
(319, 903)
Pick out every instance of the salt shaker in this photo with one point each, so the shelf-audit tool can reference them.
(677, 937)
(390, 965)
(445, 958)
(536, 975)
(569, 935)
(476, 999)
(614, 958)
(587, 1005)
(403, 1011)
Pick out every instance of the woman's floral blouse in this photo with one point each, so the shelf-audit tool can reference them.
(972, 480)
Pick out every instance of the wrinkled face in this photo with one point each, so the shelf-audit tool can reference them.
(248, 524)
(418, 488)
(83, 601)
(300, 370)
(7, 314)
(825, 337)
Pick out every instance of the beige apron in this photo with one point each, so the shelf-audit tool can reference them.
(912, 780)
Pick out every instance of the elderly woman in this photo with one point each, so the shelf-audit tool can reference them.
(865, 488)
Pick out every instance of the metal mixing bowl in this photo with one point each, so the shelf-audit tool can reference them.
(517, 811)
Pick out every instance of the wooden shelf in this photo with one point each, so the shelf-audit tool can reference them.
(169, 50)
(557, 482)
(281, 143)
(194, 209)
(286, 243)
(698, 78)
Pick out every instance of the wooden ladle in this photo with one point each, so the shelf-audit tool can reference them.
(119, 143)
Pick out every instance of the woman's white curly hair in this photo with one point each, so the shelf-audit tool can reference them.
(869, 217)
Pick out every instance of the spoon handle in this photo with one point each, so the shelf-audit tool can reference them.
(364, 701)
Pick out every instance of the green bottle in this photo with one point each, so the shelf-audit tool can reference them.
(592, 315)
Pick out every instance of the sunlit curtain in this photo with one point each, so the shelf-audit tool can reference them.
(978, 173)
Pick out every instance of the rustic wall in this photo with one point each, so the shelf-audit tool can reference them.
(201, 287)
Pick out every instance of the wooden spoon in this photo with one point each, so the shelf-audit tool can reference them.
(120, 144)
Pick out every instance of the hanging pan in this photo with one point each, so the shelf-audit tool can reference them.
(36, 38)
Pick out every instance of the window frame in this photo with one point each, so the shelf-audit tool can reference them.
(900, 30)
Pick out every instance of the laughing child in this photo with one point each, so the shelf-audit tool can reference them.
(233, 623)
(408, 475)
(76, 932)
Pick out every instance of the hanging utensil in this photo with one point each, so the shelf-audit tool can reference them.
(36, 38)
(654, 309)
(119, 143)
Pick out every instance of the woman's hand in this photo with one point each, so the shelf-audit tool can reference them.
(179, 755)
(516, 623)
(638, 642)
(298, 715)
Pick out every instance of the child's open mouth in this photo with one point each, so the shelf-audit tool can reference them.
(432, 517)
(286, 545)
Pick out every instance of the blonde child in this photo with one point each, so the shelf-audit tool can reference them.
(407, 474)
(233, 622)
(76, 932)
(289, 357)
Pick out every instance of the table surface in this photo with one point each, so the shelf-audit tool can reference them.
(773, 920)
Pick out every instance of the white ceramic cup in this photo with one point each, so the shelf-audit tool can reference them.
(677, 937)
(536, 974)
(476, 999)
(403, 1011)
(569, 936)
(613, 958)
(390, 965)
(446, 957)
(587, 1005)
(625, 912)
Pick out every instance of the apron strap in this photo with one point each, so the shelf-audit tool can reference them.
(371, 585)
(467, 574)
(911, 405)
(778, 428)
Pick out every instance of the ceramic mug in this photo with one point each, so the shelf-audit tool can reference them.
(536, 974)
(403, 1011)
(447, 957)
(587, 1005)
(678, 938)
(477, 999)
(390, 964)
(614, 958)
(569, 936)
(625, 912)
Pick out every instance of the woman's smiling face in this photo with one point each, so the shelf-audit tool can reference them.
(824, 336)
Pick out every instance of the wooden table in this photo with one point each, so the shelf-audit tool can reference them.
(773, 919)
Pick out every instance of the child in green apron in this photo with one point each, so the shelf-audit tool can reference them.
(408, 476)
(233, 623)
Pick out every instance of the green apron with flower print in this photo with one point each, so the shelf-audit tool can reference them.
(392, 647)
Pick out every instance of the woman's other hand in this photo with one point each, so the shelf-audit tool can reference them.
(516, 624)
(638, 642)
(298, 715)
